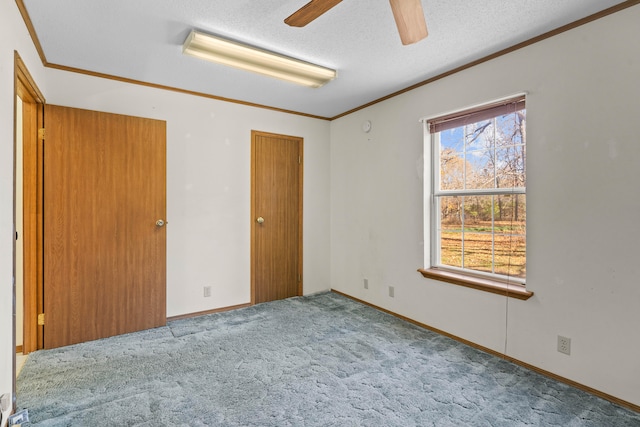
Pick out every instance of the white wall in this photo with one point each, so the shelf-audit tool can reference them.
(208, 184)
(13, 36)
(583, 203)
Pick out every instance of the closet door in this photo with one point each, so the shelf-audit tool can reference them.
(277, 217)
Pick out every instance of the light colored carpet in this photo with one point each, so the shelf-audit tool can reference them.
(322, 360)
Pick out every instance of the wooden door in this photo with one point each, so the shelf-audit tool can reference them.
(276, 258)
(104, 190)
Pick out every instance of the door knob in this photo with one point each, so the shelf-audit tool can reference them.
(260, 220)
(160, 223)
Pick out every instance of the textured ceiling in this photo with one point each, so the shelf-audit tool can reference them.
(142, 40)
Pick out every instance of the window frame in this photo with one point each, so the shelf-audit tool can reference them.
(491, 282)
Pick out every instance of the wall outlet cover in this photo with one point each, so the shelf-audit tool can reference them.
(564, 345)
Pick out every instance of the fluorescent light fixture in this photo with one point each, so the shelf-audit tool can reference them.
(249, 58)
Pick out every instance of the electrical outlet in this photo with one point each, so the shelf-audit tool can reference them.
(391, 291)
(564, 345)
(366, 283)
(207, 291)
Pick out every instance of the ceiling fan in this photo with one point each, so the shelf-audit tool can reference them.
(407, 13)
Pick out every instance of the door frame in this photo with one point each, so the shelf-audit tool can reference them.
(254, 134)
(33, 119)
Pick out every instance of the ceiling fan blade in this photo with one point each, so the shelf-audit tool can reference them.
(410, 20)
(309, 12)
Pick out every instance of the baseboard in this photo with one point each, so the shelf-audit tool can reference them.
(556, 377)
(202, 313)
(18, 349)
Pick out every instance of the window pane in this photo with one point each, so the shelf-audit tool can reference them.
(510, 235)
(451, 248)
(479, 136)
(484, 233)
(451, 212)
(510, 128)
(510, 167)
(486, 154)
(511, 213)
(510, 256)
(452, 160)
(451, 170)
(480, 169)
(451, 231)
(477, 212)
(453, 139)
(478, 254)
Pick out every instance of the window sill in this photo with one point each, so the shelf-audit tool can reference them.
(512, 290)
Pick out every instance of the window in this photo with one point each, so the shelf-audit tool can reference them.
(478, 194)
